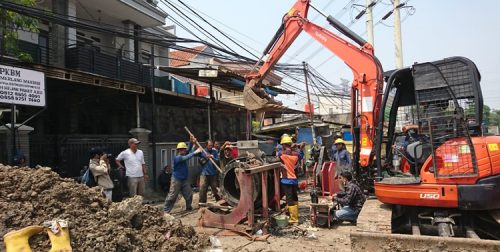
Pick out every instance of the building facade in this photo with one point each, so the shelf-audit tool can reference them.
(99, 86)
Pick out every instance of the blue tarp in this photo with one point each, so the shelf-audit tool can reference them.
(181, 87)
(305, 135)
(240, 83)
(347, 136)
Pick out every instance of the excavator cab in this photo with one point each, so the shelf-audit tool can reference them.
(430, 112)
(434, 165)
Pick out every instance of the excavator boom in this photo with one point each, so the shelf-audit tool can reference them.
(367, 72)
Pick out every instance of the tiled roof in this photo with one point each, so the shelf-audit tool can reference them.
(182, 58)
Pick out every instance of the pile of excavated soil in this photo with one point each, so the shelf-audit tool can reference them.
(33, 196)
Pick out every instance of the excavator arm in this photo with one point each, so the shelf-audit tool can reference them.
(367, 71)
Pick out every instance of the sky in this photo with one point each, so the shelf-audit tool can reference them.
(435, 30)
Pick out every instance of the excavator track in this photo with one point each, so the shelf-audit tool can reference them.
(373, 233)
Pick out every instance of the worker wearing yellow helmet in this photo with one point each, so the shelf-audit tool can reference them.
(278, 146)
(180, 176)
(289, 181)
(341, 157)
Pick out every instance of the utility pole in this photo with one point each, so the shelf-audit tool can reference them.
(153, 114)
(210, 90)
(397, 35)
(309, 105)
(13, 133)
(369, 22)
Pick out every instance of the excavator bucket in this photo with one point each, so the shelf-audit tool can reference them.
(256, 99)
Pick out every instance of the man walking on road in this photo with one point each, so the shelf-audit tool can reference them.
(180, 175)
(135, 167)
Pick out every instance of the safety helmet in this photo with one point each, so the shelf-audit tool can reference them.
(286, 140)
(284, 135)
(181, 145)
(339, 141)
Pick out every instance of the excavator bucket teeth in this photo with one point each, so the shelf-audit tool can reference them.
(256, 102)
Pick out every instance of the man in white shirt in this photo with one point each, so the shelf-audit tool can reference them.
(135, 167)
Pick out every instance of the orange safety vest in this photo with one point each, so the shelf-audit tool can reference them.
(289, 159)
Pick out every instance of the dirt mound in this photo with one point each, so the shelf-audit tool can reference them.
(32, 196)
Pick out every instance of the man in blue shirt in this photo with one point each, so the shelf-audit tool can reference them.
(209, 174)
(180, 175)
(341, 157)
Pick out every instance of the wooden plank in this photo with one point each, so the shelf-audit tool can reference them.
(262, 168)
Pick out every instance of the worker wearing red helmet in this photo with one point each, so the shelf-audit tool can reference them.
(289, 181)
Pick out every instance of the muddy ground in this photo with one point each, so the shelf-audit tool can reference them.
(334, 239)
(32, 196)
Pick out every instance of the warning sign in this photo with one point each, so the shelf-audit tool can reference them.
(22, 86)
(493, 147)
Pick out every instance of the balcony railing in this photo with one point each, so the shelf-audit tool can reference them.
(90, 59)
(39, 54)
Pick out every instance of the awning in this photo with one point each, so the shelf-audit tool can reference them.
(201, 102)
(225, 78)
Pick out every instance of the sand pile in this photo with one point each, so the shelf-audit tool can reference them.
(32, 196)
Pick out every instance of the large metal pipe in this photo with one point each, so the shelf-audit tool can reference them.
(230, 188)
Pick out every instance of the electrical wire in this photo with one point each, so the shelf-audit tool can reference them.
(287, 70)
(188, 19)
(339, 15)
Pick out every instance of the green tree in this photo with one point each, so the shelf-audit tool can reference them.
(486, 114)
(494, 118)
(11, 23)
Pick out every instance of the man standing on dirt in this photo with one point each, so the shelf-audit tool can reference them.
(289, 182)
(351, 199)
(100, 168)
(180, 182)
(209, 174)
(135, 167)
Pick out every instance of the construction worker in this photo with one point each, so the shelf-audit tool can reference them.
(351, 199)
(341, 157)
(180, 177)
(278, 146)
(289, 182)
(333, 150)
(209, 174)
(225, 154)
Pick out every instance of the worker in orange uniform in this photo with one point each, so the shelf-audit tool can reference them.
(289, 181)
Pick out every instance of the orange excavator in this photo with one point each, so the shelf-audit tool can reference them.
(419, 143)
(367, 86)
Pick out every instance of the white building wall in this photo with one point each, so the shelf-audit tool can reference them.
(334, 105)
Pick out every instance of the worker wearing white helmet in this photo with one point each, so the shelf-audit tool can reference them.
(180, 176)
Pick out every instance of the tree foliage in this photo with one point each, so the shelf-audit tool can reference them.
(11, 23)
(494, 118)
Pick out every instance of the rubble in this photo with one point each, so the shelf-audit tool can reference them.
(33, 196)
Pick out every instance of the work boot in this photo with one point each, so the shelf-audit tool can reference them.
(17, 240)
(294, 214)
(59, 237)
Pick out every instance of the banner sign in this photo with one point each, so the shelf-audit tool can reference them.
(22, 86)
